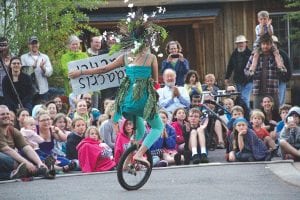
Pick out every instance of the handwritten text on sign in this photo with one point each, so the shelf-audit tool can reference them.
(95, 82)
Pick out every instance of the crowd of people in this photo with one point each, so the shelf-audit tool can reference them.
(181, 120)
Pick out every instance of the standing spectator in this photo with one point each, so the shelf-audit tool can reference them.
(264, 28)
(237, 62)
(21, 82)
(94, 50)
(267, 74)
(172, 97)
(73, 53)
(38, 66)
(288, 65)
(176, 61)
(5, 58)
(95, 47)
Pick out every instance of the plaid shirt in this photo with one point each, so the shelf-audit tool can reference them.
(266, 76)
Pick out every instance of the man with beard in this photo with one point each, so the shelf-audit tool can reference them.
(237, 63)
(172, 97)
(267, 74)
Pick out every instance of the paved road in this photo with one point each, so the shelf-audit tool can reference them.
(250, 181)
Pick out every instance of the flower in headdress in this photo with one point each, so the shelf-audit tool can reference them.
(138, 31)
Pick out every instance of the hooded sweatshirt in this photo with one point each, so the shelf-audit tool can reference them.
(91, 156)
(287, 133)
(122, 143)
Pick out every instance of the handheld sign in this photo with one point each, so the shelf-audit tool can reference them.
(95, 82)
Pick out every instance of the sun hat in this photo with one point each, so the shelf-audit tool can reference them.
(240, 38)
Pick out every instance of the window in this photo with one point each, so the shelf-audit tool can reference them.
(283, 29)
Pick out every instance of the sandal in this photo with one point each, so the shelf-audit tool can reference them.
(142, 161)
(70, 167)
(50, 162)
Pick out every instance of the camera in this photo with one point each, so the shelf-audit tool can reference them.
(174, 55)
(290, 119)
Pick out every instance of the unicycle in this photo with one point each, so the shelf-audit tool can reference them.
(132, 174)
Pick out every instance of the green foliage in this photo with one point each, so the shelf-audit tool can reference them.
(294, 16)
(51, 21)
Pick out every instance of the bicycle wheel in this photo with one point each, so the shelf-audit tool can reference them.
(132, 175)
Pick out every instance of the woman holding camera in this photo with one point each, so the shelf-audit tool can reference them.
(176, 61)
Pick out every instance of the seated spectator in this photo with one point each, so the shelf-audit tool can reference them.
(61, 107)
(60, 121)
(50, 133)
(271, 113)
(123, 139)
(194, 135)
(93, 155)
(22, 113)
(94, 113)
(22, 83)
(179, 119)
(172, 97)
(290, 135)
(210, 84)
(244, 145)
(12, 164)
(30, 134)
(238, 100)
(81, 111)
(168, 139)
(195, 101)
(192, 83)
(228, 105)
(176, 61)
(107, 128)
(74, 138)
(52, 110)
(257, 119)
(283, 111)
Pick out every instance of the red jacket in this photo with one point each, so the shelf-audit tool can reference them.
(90, 157)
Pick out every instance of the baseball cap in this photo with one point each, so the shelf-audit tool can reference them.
(33, 39)
(240, 38)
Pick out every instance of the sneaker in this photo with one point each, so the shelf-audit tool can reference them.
(20, 172)
(196, 159)
(187, 157)
(162, 163)
(204, 158)
(177, 159)
(41, 171)
(70, 167)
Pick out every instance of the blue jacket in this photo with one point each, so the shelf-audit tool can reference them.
(167, 143)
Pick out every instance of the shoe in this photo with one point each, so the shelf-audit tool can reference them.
(204, 158)
(162, 163)
(220, 146)
(70, 167)
(143, 161)
(187, 157)
(50, 162)
(41, 171)
(20, 172)
(196, 159)
(177, 159)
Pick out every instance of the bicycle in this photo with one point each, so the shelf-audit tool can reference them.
(132, 174)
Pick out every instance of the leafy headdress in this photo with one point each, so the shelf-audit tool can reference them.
(139, 31)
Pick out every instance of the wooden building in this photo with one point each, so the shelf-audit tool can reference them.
(206, 29)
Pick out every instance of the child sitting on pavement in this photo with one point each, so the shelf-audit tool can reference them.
(257, 119)
(93, 155)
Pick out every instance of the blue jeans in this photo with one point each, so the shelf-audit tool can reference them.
(6, 166)
(282, 88)
(246, 91)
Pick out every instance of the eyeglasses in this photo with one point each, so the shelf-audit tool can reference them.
(44, 120)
